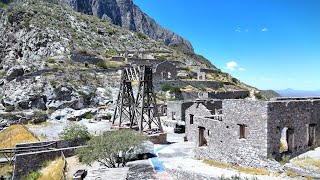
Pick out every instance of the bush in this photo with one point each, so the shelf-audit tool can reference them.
(32, 176)
(75, 131)
(2, 74)
(106, 148)
(235, 80)
(89, 116)
(171, 89)
(258, 95)
(141, 35)
(51, 60)
(109, 116)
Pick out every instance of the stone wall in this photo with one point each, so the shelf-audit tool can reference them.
(229, 95)
(30, 162)
(179, 108)
(57, 144)
(200, 110)
(296, 115)
(222, 132)
(164, 71)
(181, 83)
(83, 58)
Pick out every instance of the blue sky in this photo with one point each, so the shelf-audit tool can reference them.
(269, 44)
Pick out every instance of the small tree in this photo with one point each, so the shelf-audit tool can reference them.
(111, 148)
(75, 131)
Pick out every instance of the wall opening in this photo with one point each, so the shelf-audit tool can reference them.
(173, 115)
(202, 139)
(311, 134)
(191, 118)
(242, 131)
(164, 110)
(287, 140)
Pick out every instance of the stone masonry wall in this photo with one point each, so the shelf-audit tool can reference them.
(228, 95)
(200, 110)
(295, 115)
(179, 83)
(179, 108)
(30, 162)
(223, 136)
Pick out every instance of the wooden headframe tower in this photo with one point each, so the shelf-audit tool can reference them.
(141, 111)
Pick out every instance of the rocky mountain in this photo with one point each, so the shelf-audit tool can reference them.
(128, 15)
(54, 58)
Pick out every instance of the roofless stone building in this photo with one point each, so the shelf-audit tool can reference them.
(249, 132)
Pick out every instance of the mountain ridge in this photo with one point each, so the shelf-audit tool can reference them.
(126, 14)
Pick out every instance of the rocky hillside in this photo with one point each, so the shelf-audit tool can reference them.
(52, 57)
(126, 14)
(39, 41)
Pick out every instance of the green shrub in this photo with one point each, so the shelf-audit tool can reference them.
(110, 53)
(285, 159)
(258, 95)
(106, 147)
(235, 80)
(141, 35)
(75, 131)
(109, 116)
(89, 116)
(32, 176)
(171, 89)
(2, 74)
(51, 60)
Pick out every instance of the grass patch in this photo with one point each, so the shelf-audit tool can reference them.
(2, 74)
(6, 170)
(291, 174)
(255, 171)
(285, 159)
(15, 134)
(307, 163)
(53, 170)
(215, 163)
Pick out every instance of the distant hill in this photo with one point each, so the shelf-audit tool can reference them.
(270, 94)
(298, 93)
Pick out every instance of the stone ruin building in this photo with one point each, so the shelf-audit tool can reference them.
(251, 132)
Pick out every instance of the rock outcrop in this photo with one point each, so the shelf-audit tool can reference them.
(128, 15)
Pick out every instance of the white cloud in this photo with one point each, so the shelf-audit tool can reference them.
(238, 30)
(231, 65)
(241, 69)
(264, 29)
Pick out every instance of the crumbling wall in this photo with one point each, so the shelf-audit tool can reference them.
(164, 71)
(30, 162)
(200, 110)
(296, 115)
(223, 134)
(229, 95)
(179, 108)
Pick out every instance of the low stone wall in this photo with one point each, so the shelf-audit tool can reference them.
(58, 144)
(179, 83)
(30, 162)
(85, 58)
(229, 95)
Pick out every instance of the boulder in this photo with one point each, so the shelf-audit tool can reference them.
(14, 73)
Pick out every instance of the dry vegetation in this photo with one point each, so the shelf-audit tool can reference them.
(307, 163)
(255, 171)
(5, 169)
(53, 170)
(215, 163)
(15, 134)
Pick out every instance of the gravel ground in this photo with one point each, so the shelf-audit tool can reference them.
(52, 128)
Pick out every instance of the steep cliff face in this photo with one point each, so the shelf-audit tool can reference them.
(126, 14)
